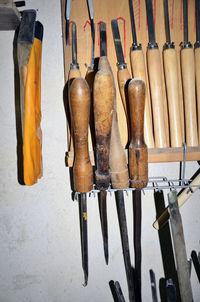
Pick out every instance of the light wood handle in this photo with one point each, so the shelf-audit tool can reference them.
(197, 72)
(171, 78)
(182, 198)
(103, 95)
(156, 89)
(188, 78)
(123, 76)
(138, 156)
(139, 72)
(73, 74)
(80, 109)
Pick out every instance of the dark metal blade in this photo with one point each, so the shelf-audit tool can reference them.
(137, 241)
(104, 223)
(132, 22)
(103, 41)
(167, 27)
(93, 43)
(74, 44)
(153, 286)
(196, 263)
(171, 291)
(67, 17)
(117, 41)
(125, 243)
(84, 239)
(27, 27)
(119, 293)
(150, 21)
(198, 20)
(185, 21)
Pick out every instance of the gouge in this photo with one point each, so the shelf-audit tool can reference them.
(179, 249)
(67, 18)
(182, 198)
(171, 78)
(139, 71)
(74, 71)
(188, 79)
(155, 80)
(197, 61)
(138, 166)
(79, 101)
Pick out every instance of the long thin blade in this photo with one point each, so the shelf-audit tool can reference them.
(137, 241)
(185, 21)
(153, 286)
(132, 22)
(150, 21)
(196, 263)
(125, 243)
(167, 27)
(74, 44)
(171, 291)
(119, 292)
(198, 20)
(67, 17)
(104, 223)
(84, 239)
(91, 13)
(91, 10)
(117, 41)
(103, 42)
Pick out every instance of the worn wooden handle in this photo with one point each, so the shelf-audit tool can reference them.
(80, 108)
(188, 78)
(156, 89)
(138, 156)
(171, 78)
(139, 72)
(103, 95)
(197, 72)
(123, 76)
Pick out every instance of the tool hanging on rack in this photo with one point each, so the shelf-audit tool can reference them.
(139, 71)
(197, 62)
(67, 18)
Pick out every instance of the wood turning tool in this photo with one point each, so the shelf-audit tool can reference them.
(139, 71)
(171, 78)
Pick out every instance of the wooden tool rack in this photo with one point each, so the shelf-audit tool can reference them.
(115, 9)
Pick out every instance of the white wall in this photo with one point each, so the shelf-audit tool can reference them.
(40, 256)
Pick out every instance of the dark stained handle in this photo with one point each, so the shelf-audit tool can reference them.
(80, 109)
(103, 95)
(138, 156)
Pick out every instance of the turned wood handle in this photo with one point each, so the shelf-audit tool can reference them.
(139, 72)
(80, 109)
(74, 73)
(138, 156)
(103, 96)
(188, 78)
(156, 89)
(171, 78)
(197, 72)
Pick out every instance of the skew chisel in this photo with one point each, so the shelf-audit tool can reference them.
(197, 61)
(188, 79)
(139, 71)
(155, 80)
(138, 166)
(179, 249)
(103, 96)
(171, 78)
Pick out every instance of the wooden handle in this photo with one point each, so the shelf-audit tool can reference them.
(73, 74)
(156, 89)
(197, 72)
(188, 78)
(103, 94)
(171, 78)
(138, 156)
(182, 198)
(80, 108)
(123, 76)
(139, 72)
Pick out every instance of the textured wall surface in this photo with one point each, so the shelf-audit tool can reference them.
(40, 255)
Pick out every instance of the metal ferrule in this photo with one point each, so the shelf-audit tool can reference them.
(197, 45)
(186, 45)
(168, 45)
(121, 66)
(152, 45)
(136, 46)
(74, 66)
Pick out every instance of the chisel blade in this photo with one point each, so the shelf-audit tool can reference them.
(84, 237)
(91, 13)
(198, 21)
(67, 17)
(153, 286)
(171, 291)
(185, 21)
(150, 22)
(103, 42)
(167, 27)
(132, 22)
(74, 44)
(104, 223)
(118, 44)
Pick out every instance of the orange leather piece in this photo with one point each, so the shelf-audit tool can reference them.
(32, 144)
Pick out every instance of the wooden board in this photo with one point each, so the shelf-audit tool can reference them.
(9, 15)
(116, 9)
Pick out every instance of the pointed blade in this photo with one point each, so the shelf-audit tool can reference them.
(117, 41)
(104, 223)
(84, 238)
(103, 42)
(132, 22)
(150, 22)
